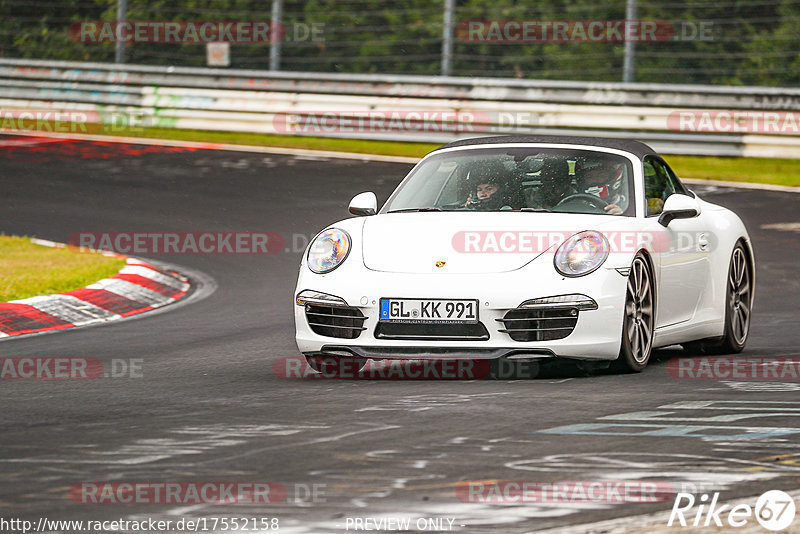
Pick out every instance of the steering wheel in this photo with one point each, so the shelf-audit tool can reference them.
(595, 202)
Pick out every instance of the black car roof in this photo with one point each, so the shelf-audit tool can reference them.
(634, 147)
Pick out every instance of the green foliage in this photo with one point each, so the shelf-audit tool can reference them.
(752, 42)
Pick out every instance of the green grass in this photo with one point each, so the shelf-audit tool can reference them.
(757, 170)
(28, 270)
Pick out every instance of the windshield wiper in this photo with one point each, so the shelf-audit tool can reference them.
(415, 209)
(539, 210)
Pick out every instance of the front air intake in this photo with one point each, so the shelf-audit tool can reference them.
(523, 324)
(335, 321)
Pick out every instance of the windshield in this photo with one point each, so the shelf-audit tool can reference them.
(518, 179)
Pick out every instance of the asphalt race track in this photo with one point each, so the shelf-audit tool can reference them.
(209, 406)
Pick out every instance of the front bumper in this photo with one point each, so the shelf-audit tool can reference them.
(596, 336)
(429, 353)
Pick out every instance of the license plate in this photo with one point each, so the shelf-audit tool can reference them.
(429, 311)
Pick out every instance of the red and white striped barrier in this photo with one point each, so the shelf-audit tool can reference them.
(137, 288)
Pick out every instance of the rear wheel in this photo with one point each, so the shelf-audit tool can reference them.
(637, 329)
(738, 307)
(335, 366)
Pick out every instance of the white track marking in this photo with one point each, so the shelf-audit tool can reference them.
(70, 309)
(782, 227)
(156, 276)
(131, 291)
(28, 142)
(743, 185)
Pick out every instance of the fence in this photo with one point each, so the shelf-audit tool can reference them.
(677, 119)
(720, 42)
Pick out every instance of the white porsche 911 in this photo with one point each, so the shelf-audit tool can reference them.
(526, 248)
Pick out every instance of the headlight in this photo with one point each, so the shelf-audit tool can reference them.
(328, 250)
(581, 254)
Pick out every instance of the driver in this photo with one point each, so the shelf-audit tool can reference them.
(556, 184)
(605, 182)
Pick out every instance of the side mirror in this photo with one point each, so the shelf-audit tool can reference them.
(364, 204)
(679, 206)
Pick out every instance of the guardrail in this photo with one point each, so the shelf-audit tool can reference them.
(677, 119)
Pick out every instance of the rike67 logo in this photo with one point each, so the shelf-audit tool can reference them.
(774, 510)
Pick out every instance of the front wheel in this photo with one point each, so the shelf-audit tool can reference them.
(639, 321)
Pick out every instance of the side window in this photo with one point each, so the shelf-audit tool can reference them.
(658, 185)
(679, 187)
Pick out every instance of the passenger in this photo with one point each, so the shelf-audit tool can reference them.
(493, 190)
(483, 195)
(654, 190)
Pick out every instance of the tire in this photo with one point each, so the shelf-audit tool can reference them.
(639, 319)
(738, 309)
(334, 366)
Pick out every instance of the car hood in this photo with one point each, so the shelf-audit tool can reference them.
(467, 242)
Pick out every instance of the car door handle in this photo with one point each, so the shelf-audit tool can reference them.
(702, 242)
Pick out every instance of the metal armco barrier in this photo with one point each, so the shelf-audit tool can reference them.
(676, 119)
